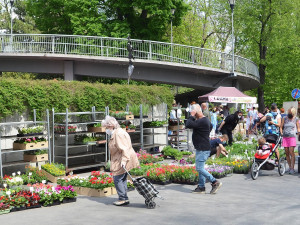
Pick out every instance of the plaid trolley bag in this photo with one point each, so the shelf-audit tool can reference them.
(146, 189)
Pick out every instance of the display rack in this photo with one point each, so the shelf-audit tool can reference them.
(153, 130)
(181, 137)
(10, 150)
(87, 152)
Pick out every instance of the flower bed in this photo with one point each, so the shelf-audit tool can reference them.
(97, 184)
(37, 195)
(219, 171)
(145, 157)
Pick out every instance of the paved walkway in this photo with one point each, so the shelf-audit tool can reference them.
(269, 200)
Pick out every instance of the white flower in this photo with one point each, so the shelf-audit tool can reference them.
(29, 173)
(5, 185)
(43, 181)
(19, 172)
(8, 193)
(13, 174)
(81, 181)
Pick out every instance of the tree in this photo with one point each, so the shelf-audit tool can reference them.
(267, 32)
(143, 19)
(22, 22)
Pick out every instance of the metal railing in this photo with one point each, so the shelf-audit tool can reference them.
(117, 47)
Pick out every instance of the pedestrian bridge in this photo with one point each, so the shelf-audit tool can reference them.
(157, 62)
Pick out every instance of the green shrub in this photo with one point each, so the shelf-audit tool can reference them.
(18, 95)
(171, 152)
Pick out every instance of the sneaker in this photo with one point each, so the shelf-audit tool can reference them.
(292, 171)
(121, 202)
(199, 190)
(215, 187)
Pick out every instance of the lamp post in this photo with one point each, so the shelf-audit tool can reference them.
(11, 22)
(172, 12)
(232, 3)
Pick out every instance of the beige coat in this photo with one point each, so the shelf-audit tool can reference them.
(121, 151)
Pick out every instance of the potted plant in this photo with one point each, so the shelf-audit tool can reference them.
(25, 144)
(122, 115)
(36, 156)
(62, 129)
(131, 128)
(135, 109)
(30, 131)
(53, 171)
(95, 128)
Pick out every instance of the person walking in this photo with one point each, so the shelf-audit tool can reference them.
(228, 125)
(201, 130)
(249, 121)
(289, 129)
(205, 110)
(122, 155)
(272, 125)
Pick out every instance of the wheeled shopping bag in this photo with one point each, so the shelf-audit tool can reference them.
(146, 189)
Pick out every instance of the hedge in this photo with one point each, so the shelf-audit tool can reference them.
(19, 95)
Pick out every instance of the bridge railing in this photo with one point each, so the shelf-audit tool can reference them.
(117, 47)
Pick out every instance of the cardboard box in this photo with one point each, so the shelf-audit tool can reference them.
(174, 128)
(42, 144)
(96, 129)
(114, 191)
(50, 177)
(29, 146)
(93, 192)
(35, 158)
(129, 117)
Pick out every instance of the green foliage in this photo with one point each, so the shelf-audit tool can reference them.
(135, 109)
(149, 124)
(16, 96)
(172, 152)
(140, 18)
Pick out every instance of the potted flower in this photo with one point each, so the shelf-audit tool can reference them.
(95, 128)
(25, 144)
(30, 131)
(36, 156)
(131, 128)
(53, 171)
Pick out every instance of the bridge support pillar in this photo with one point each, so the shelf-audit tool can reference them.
(68, 70)
(236, 84)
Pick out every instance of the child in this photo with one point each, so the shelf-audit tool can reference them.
(264, 147)
(217, 146)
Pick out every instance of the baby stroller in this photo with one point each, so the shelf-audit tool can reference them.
(265, 162)
(146, 189)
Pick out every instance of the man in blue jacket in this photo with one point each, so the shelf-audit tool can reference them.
(201, 129)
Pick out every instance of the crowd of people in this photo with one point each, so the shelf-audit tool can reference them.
(203, 120)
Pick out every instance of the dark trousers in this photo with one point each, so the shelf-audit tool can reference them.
(229, 134)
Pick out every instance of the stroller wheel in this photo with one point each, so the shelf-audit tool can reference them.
(254, 170)
(151, 205)
(281, 166)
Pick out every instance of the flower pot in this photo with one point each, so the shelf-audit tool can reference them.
(101, 142)
(161, 182)
(69, 200)
(34, 206)
(130, 131)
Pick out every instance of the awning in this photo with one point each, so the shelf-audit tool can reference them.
(227, 95)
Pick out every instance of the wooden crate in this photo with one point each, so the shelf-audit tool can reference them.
(129, 117)
(42, 144)
(35, 158)
(93, 192)
(50, 177)
(96, 129)
(29, 146)
(113, 191)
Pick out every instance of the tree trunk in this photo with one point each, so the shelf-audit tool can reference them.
(262, 74)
